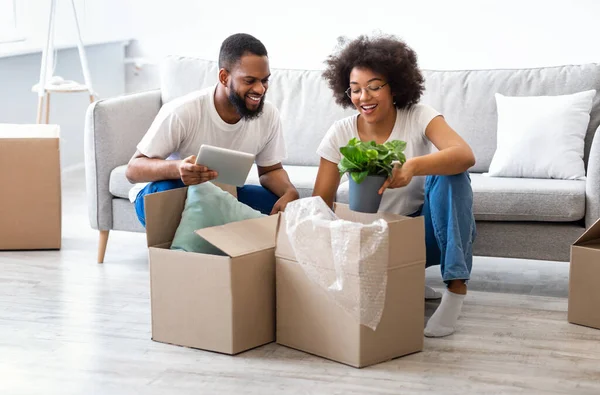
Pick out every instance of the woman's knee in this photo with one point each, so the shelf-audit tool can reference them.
(458, 182)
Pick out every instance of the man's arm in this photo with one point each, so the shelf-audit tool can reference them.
(144, 169)
(276, 179)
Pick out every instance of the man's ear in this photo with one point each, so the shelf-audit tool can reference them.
(223, 77)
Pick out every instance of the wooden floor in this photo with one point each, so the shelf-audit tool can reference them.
(71, 326)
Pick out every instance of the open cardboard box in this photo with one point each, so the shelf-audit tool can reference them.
(584, 277)
(30, 201)
(309, 320)
(227, 303)
(217, 303)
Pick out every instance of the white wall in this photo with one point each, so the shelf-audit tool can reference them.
(99, 21)
(446, 34)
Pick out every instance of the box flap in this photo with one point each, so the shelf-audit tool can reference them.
(163, 215)
(591, 245)
(242, 237)
(592, 233)
(12, 131)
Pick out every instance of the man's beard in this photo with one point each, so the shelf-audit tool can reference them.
(239, 103)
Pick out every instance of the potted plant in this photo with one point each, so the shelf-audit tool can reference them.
(369, 164)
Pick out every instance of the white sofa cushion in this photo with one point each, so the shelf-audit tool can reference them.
(303, 178)
(542, 136)
(521, 199)
(118, 184)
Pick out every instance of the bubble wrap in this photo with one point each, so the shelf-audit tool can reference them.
(349, 260)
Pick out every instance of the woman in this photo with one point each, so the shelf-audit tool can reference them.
(380, 78)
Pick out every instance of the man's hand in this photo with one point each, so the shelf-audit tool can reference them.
(284, 200)
(193, 174)
(401, 177)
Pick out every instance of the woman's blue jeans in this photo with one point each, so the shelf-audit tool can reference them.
(449, 225)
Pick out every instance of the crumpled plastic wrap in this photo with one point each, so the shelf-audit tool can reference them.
(349, 260)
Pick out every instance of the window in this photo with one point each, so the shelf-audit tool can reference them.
(9, 24)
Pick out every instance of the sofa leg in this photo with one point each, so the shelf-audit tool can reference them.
(103, 241)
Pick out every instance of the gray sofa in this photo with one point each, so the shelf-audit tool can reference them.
(521, 218)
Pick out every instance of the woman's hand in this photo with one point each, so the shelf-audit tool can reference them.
(401, 176)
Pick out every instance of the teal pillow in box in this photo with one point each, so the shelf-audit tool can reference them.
(208, 205)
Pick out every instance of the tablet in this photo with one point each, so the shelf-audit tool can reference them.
(231, 166)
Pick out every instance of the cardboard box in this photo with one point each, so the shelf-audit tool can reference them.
(30, 201)
(309, 320)
(217, 303)
(584, 277)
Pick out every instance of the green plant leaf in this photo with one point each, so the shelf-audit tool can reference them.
(359, 177)
(372, 154)
(354, 154)
(347, 165)
(354, 142)
(384, 155)
(361, 158)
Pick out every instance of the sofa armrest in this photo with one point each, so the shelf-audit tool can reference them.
(592, 186)
(113, 128)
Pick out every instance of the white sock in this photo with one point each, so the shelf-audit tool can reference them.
(432, 294)
(443, 320)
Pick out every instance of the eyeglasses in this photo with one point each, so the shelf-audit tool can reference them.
(373, 90)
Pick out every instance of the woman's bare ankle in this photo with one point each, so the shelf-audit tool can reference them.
(458, 287)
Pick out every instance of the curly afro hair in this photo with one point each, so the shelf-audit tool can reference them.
(386, 55)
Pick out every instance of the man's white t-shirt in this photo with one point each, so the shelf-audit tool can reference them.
(410, 127)
(184, 124)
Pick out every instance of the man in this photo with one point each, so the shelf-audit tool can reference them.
(233, 114)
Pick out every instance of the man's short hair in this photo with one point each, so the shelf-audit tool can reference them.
(238, 45)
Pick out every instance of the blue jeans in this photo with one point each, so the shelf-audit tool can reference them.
(449, 225)
(255, 196)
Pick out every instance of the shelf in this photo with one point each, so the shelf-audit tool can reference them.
(65, 88)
